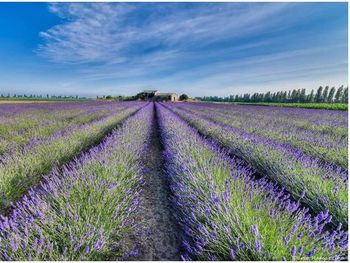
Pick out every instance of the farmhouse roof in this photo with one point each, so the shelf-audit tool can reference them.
(166, 94)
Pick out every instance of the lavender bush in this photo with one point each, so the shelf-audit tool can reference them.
(317, 135)
(20, 129)
(321, 187)
(20, 171)
(228, 215)
(86, 210)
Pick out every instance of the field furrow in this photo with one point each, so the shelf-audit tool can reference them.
(160, 235)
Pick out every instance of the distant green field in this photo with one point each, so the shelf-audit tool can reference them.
(325, 106)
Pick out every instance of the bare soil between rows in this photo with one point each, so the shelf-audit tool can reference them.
(161, 233)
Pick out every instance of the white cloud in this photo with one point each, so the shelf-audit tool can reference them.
(198, 48)
(113, 33)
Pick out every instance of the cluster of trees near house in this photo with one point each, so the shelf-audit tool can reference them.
(321, 95)
(138, 96)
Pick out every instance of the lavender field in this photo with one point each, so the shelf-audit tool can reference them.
(172, 181)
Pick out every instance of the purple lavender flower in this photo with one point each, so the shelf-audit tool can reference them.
(14, 245)
(86, 250)
(339, 227)
(232, 254)
(257, 246)
(255, 231)
(286, 240)
(77, 246)
(293, 251)
(300, 250)
(99, 244)
(76, 217)
(185, 258)
(311, 253)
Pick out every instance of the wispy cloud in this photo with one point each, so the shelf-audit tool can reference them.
(114, 33)
(207, 46)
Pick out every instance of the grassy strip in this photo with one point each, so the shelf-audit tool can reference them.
(87, 211)
(321, 187)
(228, 216)
(21, 171)
(323, 106)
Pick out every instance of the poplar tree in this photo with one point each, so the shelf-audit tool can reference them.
(345, 95)
(339, 94)
(331, 95)
(318, 97)
(325, 94)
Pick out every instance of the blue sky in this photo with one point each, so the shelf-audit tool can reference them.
(200, 49)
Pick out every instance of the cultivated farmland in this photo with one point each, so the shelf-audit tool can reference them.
(172, 181)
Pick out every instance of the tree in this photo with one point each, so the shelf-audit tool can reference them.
(325, 94)
(303, 95)
(345, 95)
(267, 97)
(331, 95)
(338, 94)
(310, 97)
(318, 97)
(294, 96)
(297, 96)
(183, 97)
(246, 97)
(285, 98)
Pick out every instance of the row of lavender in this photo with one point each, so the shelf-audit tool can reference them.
(22, 169)
(321, 187)
(227, 214)
(20, 128)
(318, 133)
(86, 210)
(12, 109)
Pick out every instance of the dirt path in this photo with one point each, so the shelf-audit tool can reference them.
(161, 240)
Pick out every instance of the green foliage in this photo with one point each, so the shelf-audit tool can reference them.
(325, 106)
(323, 95)
(183, 97)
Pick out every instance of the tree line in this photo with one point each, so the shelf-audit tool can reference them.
(40, 96)
(321, 95)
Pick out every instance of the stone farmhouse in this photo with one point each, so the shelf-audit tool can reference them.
(155, 95)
